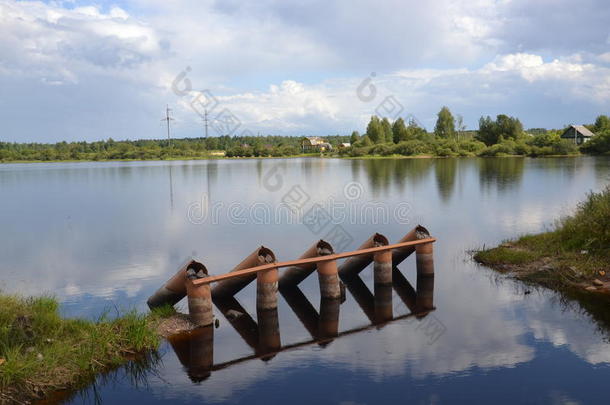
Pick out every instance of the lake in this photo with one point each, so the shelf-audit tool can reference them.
(102, 237)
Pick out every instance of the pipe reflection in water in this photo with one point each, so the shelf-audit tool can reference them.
(320, 326)
(383, 303)
(195, 351)
(239, 318)
(404, 289)
(269, 342)
(425, 293)
(328, 326)
(303, 309)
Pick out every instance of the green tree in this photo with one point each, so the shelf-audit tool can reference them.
(399, 131)
(355, 137)
(503, 128)
(374, 130)
(602, 123)
(366, 141)
(386, 128)
(445, 124)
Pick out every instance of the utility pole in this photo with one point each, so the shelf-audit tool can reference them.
(205, 120)
(168, 119)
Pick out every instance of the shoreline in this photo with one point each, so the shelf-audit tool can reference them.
(369, 157)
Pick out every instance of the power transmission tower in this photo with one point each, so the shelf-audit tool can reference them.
(168, 119)
(205, 120)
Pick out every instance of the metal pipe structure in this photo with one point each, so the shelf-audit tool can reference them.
(231, 286)
(354, 265)
(335, 256)
(424, 300)
(173, 290)
(425, 259)
(400, 254)
(199, 296)
(294, 275)
(328, 277)
(382, 268)
(266, 290)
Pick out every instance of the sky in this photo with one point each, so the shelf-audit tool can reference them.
(81, 70)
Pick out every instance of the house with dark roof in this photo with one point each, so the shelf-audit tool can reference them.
(577, 133)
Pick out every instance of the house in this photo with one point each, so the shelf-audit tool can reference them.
(578, 133)
(344, 145)
(315, 144)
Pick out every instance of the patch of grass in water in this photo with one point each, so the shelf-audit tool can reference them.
(41, 352)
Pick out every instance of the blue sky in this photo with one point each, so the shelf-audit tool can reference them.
(93, 70)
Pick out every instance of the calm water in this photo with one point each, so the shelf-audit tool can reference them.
(104, 236)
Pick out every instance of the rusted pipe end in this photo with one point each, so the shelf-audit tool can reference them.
(265, 255)
(196, 270)
(380, 240)
(324, 248)
(421, 232)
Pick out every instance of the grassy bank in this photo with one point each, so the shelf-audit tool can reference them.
(574, 255)
(41, 352)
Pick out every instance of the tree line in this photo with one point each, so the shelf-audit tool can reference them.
(503, 135)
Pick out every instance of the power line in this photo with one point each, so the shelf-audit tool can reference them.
(168, 119)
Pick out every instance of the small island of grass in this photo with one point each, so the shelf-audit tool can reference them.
(42, 353)
(573, 256)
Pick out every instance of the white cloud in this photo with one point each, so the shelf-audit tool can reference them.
(92, 72)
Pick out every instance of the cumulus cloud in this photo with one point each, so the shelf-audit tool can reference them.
(91, 72)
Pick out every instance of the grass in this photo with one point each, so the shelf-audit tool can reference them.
(41, 352)
(576, 252)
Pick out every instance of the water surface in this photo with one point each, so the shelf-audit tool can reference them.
(104, 236)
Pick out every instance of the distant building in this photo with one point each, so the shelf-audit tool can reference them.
(344, 145)
(578, 133)
(315, 144)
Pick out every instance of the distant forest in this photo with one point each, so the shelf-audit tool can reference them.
(501, 136)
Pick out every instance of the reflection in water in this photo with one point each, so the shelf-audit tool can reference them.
(382, 173)
(503, 173)
(195, 349)
(445, 170)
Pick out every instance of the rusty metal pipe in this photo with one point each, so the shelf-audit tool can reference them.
(425, 259)
(173, 290)
(230, 287)
(354, 265)
(382, 268)
(328, 276)
(266, 289)
(294, 275)
(400, 254)
(425, 293)
(199, 296)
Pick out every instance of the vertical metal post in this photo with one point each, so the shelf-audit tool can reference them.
(266, 289)
(425, 259)
(199, 303)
